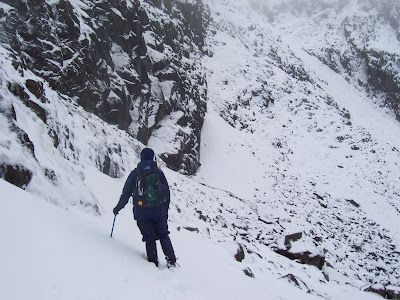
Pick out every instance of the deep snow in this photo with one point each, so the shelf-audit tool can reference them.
(50, 253)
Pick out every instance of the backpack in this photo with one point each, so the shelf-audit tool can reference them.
(149, 187)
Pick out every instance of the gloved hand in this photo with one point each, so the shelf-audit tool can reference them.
(115, 211)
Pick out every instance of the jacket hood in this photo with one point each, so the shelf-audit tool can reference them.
(147, 154)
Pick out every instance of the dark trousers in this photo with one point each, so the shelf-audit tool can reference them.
(153, 230)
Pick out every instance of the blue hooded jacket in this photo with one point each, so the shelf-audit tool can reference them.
(130, 189)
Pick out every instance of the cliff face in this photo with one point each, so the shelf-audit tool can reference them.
(132, 63)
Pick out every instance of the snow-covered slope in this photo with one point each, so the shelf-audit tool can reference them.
(54, 254)
(359, 39)
(302, 144)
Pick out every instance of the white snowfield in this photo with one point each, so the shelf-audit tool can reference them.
(50, 253)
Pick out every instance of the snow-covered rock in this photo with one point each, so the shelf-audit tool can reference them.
(132, 63)
(359, 39)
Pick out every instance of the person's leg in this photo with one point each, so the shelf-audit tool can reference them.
(149, 237)
(168, 249)
(151, 250)
(165, 241)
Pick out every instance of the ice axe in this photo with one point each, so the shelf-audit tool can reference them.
(112, 229)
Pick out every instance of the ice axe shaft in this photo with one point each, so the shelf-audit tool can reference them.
(112, 229)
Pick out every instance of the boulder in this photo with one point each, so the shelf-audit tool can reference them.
(191, 229)
(393, 292)
(239, 256)
(15, 174)
(295, 247)
(352, 202)
(248, 272)
(292, 238)
(305, 257)
(386, 291)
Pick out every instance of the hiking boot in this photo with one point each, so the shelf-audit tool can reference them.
(154, 262)
(171, 263)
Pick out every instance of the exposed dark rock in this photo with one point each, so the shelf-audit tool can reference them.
(132, 92)
(317, 238)
(15, 174)
(19, 91)
(295, 70)
(107, 165)
(13, 113)
(266, 222)
(192, 229)
(110, 168)
(393, 292)
(172, 160)
(248, 272)
(386, 291)
(292, 238)
(295, 281)
(323, 204)
(24, 139)
(54, 135)
(377, 289)
(306, 257)
(50, 174)
(239, 256)
(381, 66)
(202, 217)
(38, 110)
(318, 196)
(34, 87)
(384, 78)
(352, 202)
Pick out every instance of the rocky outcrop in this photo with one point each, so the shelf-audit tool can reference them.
(360, 44)
(364, 58)
(294, 248)
(386, 291)
(381, 66)
(239, 256)
(15, 174)
(383, 75)
(131, 63)
(304, 257)
(248, 272)
(290, 238)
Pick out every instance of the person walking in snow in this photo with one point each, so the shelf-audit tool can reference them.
(151, 197)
